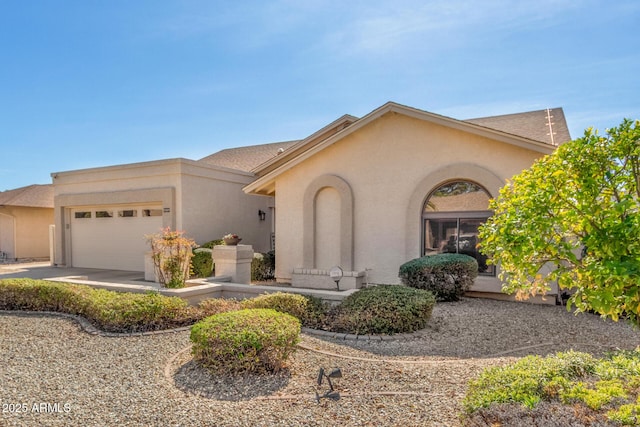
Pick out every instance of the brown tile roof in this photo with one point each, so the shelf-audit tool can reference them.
(533, 125)
(33, 196)
(246, 158)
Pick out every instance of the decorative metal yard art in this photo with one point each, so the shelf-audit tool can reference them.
(331, 393)
(336, 274)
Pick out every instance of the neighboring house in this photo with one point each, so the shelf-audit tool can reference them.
(369, 194)
(366, 194)
(25, 216)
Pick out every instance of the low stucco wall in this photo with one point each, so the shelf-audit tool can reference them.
(202, 289)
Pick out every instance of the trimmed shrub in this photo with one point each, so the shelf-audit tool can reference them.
(448, 276)
(245, 341)
(383, 309)
(263, 266)
(117, 312)
(310, 310)
(202, 262)
(39, 295)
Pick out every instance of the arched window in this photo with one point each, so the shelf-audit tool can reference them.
(452, 214)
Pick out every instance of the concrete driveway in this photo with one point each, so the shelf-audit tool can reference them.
(44, 270)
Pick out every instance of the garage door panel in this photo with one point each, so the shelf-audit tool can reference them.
(116, 242)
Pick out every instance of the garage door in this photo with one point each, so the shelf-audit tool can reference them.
(112, 237)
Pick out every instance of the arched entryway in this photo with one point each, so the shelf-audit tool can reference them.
(452, 215)
(328, 224)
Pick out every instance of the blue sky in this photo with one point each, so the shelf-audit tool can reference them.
(95, 83)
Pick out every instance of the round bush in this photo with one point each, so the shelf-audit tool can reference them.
(245, 341)
(448, 276)
(383, 309)
(310, 310)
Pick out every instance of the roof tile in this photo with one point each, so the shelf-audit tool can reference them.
(34, 196)
(246, 158)
(533, 125)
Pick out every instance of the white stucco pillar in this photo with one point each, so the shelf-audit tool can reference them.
(234, 261)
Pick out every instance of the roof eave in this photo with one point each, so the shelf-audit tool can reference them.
(265, 182)
(326, 132)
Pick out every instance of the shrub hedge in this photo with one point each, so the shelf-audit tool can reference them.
(311, 311)
(245, 341)
(383, 309)
(379, 310)
(448, 276)
(107, 310)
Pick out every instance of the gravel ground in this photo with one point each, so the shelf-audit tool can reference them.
(53, 373)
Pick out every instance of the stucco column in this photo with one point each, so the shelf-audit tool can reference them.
(234, 261)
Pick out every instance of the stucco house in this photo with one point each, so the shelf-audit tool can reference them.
(366, 194)
(26, 214)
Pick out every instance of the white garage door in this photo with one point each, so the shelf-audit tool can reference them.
(112, 237)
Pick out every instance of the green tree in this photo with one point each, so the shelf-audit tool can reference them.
(574, 218)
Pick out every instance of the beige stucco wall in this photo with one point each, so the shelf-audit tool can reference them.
(390, 166)
(213, 207)
(203, 200)
(30, 228)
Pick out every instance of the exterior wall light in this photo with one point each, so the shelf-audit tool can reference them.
(262, 215)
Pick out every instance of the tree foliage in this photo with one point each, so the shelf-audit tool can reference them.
(574, 218)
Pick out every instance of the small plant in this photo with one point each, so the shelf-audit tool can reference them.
(171, 253)
(311, 311)
(448, 276)
(245, 341)
(383, 309)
